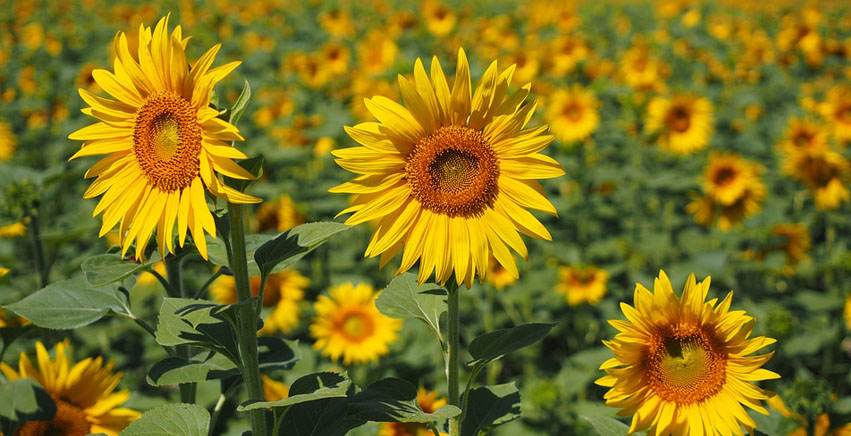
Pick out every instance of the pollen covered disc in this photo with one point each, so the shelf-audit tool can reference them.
(167, 141)
(685, 365)
(454, 172)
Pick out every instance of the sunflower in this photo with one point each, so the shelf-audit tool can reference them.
(498, 276)
(565, 53)
(573, 114)
(681, 364)
(348, 325)
(846, 313)
(163, 142)
(439, 19)
(683, 122)
(377, 52)
(641, 70)
(8, 142)
(450, 177)
(337, 23)
(14, 230)
(84, 393)
(336, 57)
(728, 177)
(274, 390)
(580, 285)
(284, 292)
(148, 279)
(837, 111)
(803, 133)
(429, 402)
(279, 215)
(824, 171)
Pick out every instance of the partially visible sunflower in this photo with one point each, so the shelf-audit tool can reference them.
(337, 23)
(8, 142)
(279, 215)
(336, 56)
(565, 53)
(274, 390)
(449, 178)
(348, 325)
(824, 171)
(792, 239)
(582, 284)
(682, 363)
(84, 393)
(846, 313)
(14, 230)
(733, 191)
(803, 134)
(683, 122)
(283, 295)
(836, 109)
(498, 276)
(641, 70)
(165, 145)
(429, 402)
(573, 114)
(439, 19)
(148, 279)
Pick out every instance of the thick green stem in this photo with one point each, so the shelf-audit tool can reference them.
(38, 248)
(175, 286)
(246, 318)
(452, 362)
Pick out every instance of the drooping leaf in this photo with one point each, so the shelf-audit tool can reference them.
(490, 406)
(200, 323)
(176, 370)
(171, 420)
(69, 304)
(290, 246)
(607, 426)
(308, 388)
(395, 400)
(403, 298)
(104, 269)
(493, 345)
(24, 400)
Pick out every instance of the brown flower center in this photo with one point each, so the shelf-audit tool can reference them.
(685, 364)
(454, 172)
(356, 326)
(678, 119)
(69, 421)
(167, 141)
(724, 176)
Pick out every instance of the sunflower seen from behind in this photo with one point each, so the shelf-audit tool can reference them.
(347, 325)
(683, 365)
(449, 176)
(165, 147)
(573, 114)
(84, 393)
(683, 122)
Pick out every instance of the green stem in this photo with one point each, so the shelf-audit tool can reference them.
(452, 362)
(469, 386)
(169, 290)
(175, 286)
(433, 429)
(38, 248)
(246, 317)
(200, 292)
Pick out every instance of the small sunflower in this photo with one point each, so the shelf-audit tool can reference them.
(837, 111)
(337, 23)
(377, 52)
(449, 178)
(429, 402)
(582, 285)
(565, 53)
(279, 215)
(803, 134)
(573, 114)
(439, 19)
(682, 364)
(641, 70)
(284, 292)
(336, 57)
(683, 122)
(348, 325)
(274, 390)
(14, 230)
(8, 142)
(498, 276)
(165, 146)
(84, 393)
(824, 171)
(733, 191)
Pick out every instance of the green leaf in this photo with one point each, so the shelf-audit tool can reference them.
(176, 370)
(395, 400)
(241, 103)
(490, 406)
(253, 165)
(319, 418)
(24, 400)
(606, 426)
(200, 323)
(12, 333)
(69, 304)
(493, 345)
(171, 420)
(104, 269)
(403, 298)
(308, 388)
(218, 254)
(290, 246)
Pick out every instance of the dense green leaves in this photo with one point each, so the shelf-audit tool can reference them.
(606, 426)
(308, 388)
(24, 400)
(393, 399)
(403, 298)
(110, 268)
(171, 420)
(70, 304)
(290, 246)
(493, 345)
(198, 322)
(490, 406)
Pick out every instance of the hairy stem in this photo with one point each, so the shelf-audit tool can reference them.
(175, 286)
(452, 361)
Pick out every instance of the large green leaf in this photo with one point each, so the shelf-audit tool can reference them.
(104, 269)
(607, 426)
(403, 298)
(200, 323)
(290, 246)
(218, 254)
(490, 406)
(325, 417)
(70, 304)
(308, 388)
(493, 345)
(395, 400)
(24, 400)
(171, 420)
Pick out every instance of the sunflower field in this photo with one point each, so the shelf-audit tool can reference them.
(444, 218)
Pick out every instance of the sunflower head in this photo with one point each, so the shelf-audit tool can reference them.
(683, 122)
(274, 390)
(8, 142)
(84, 393)
(804, 133)
(348, 325)
(573, 114)
(439, 19)
(682, 364)
(582, 284)
(824, 171)
(837, 111)
(283, 295)
(449, 176)
(164, 145)
(279, 215)
(733, 191)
